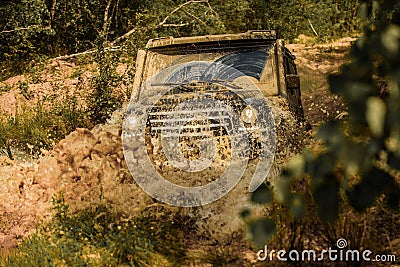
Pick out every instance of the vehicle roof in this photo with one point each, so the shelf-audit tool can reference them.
(249, 35)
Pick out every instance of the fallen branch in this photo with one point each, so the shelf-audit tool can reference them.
(163, 23)
(197, 18)
(87, 52)
(175, 25)
(123, 37)
(26, 28)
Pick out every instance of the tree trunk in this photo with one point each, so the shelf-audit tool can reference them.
(106, 19)
(52, 11)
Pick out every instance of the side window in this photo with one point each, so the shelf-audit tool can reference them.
(290, 67)
(293, 69)
(286, 64)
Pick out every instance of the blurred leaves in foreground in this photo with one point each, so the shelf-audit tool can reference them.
(359, 162)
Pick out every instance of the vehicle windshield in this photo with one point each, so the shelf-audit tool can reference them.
(169, 67)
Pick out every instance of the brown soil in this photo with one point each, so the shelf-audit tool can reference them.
(314, 64)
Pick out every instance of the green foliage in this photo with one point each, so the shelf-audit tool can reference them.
(23, 35)
(262, 195)
(260, 230)
(103, 100)
(330, 19)
(33, 30)
(4, 89)
(6, 148)
(77, 24)
(236, 16)
(24, 90)
(98, 237)
(359, 161)
(41, 126)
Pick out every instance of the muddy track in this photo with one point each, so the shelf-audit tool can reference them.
(88, 166)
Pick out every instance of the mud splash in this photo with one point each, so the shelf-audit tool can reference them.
(88, 168)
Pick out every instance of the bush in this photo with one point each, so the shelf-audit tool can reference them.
(328, 19)
(104, 100)
(33, 30)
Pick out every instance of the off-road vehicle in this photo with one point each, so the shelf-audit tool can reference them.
(205, 103)
(257, 54)
(211, 63)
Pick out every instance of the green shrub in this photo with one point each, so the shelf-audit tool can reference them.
(42, 125)
(98, 237)
(32, 30)
(104, 99)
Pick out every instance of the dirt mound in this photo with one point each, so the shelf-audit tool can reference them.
(87, 167)
(55, 81)
(323, 58)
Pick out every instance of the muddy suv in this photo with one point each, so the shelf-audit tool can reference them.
(210, 110)
(213, 65)
(256, 54)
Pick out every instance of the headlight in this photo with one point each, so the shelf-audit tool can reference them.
(248, 115)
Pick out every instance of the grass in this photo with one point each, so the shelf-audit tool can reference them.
(220, 256)
(41, 125)
(40, 121)
(5, 88)
(25, 91)
(98, 237)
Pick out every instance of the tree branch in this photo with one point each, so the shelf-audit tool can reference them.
(123, 37)
(163, 23)
(312, 27)
(197, 18)
(175, 25)
(178, 8)
(111, 46)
